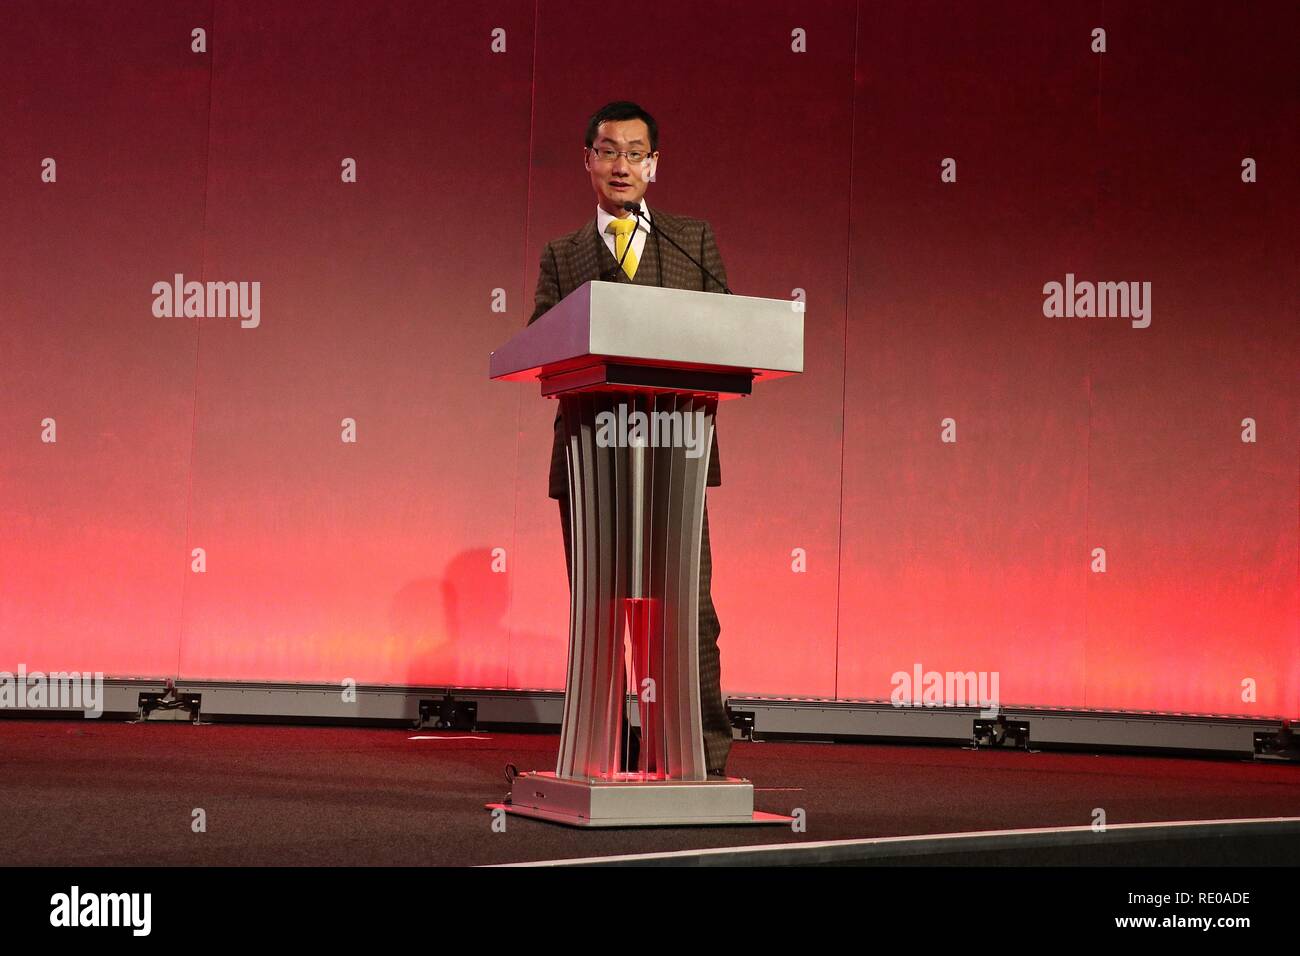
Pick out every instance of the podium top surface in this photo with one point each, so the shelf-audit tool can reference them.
(647, 325)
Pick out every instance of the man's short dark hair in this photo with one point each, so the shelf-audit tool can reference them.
(622, 110)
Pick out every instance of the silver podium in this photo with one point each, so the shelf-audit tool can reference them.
(639, 372)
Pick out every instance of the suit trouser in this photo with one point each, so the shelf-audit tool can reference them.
(713, 712)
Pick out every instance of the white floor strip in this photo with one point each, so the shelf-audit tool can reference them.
(902, 840)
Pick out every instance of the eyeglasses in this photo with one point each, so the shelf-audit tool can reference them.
(607, 155)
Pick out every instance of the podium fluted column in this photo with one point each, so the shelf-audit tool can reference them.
(636, 520)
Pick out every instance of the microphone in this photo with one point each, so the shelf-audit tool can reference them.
(612, 274)
(636, 210)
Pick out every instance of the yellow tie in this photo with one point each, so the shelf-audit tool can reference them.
(622, 230)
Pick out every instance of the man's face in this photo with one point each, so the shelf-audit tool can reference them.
(618, 181)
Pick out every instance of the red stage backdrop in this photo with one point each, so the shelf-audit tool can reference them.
(1100, 510)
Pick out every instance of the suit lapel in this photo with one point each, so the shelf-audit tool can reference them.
(605, 261)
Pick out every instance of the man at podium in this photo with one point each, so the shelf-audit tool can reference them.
(620, 155)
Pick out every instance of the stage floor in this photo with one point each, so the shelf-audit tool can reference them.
(98, 793)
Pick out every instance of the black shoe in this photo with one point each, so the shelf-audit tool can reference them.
(718, 774)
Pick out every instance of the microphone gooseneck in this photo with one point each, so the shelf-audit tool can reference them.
(659, 231)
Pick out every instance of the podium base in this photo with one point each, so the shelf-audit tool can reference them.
(635, 802)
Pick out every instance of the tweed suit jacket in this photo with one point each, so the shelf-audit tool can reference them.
(582, 256)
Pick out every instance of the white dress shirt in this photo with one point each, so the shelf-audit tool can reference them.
(603, 219)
